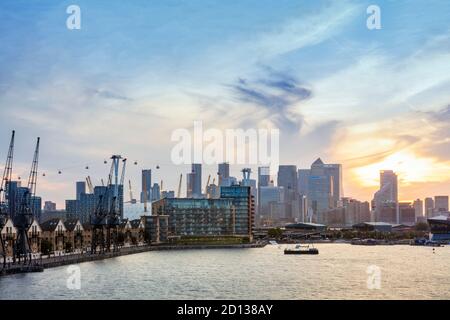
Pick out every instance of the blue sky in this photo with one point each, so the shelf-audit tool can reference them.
(138, 70)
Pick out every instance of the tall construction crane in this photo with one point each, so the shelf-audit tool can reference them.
(89, 184)
(4, 198)
(132, 200)
(179, 186)
(207, 184)
(24, 218)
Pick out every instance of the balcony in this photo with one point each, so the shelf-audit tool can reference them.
(9, 236)
(34, 235)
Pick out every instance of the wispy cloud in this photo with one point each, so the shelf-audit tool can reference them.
(275, 95)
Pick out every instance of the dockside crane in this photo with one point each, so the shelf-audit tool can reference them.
(106, 217)
(4, 199)
(24, 218)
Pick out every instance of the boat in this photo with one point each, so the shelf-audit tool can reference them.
(364, 242)
(425, 242)
(299, 249)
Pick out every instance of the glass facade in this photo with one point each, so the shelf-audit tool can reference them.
(231, 214)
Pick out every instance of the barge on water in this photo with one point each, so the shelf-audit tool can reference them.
(299, 249)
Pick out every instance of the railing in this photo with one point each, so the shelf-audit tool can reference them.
(8, 236)
(34, 234)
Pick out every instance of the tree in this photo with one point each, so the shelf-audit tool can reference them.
(421, 226)
(46, 247)
(68, 246)
(275, 233)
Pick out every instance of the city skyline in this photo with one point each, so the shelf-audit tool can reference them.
(335, 89)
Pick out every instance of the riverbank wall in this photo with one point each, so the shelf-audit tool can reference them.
(38, 265)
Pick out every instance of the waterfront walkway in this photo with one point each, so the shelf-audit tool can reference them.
(38, 265)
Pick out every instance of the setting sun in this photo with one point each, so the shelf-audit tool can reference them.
(409, 167)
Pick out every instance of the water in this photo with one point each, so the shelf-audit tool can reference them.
(338, 272)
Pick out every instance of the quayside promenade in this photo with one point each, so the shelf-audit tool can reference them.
(38, 265)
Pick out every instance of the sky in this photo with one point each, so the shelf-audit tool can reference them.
(138, 70)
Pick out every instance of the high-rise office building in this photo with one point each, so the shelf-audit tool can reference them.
(322, 185)
(418, 208)
(49, 206)
(194, 181)
(263, 181)
(303, 181)
(335, 171)
(387, 196)
(320, 188)
(429, 207)
(287, 178)
(389, 185)
(440, 204)
(86, 207)
(36, 207)
(271, 195)
(190, 185)
(407, 213)
(80, 188)
(223, 172)
(146, 178)
(248, 182)
(263, 176)
(156, 192)
(72, 208)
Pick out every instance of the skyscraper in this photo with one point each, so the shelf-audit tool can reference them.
(429, 207)
(194, 181)
(441, 204)
(80, 188)
(156, 192)
(303, 181)
(146, 184)
(263, 176)
(335, 171)
(287, 178)
(49, 206)
(248, 182)
(322, 185)
(263, 181)
(320, 188)
(418, 207)
(387, 195)
(272, 202)
(223, 172)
